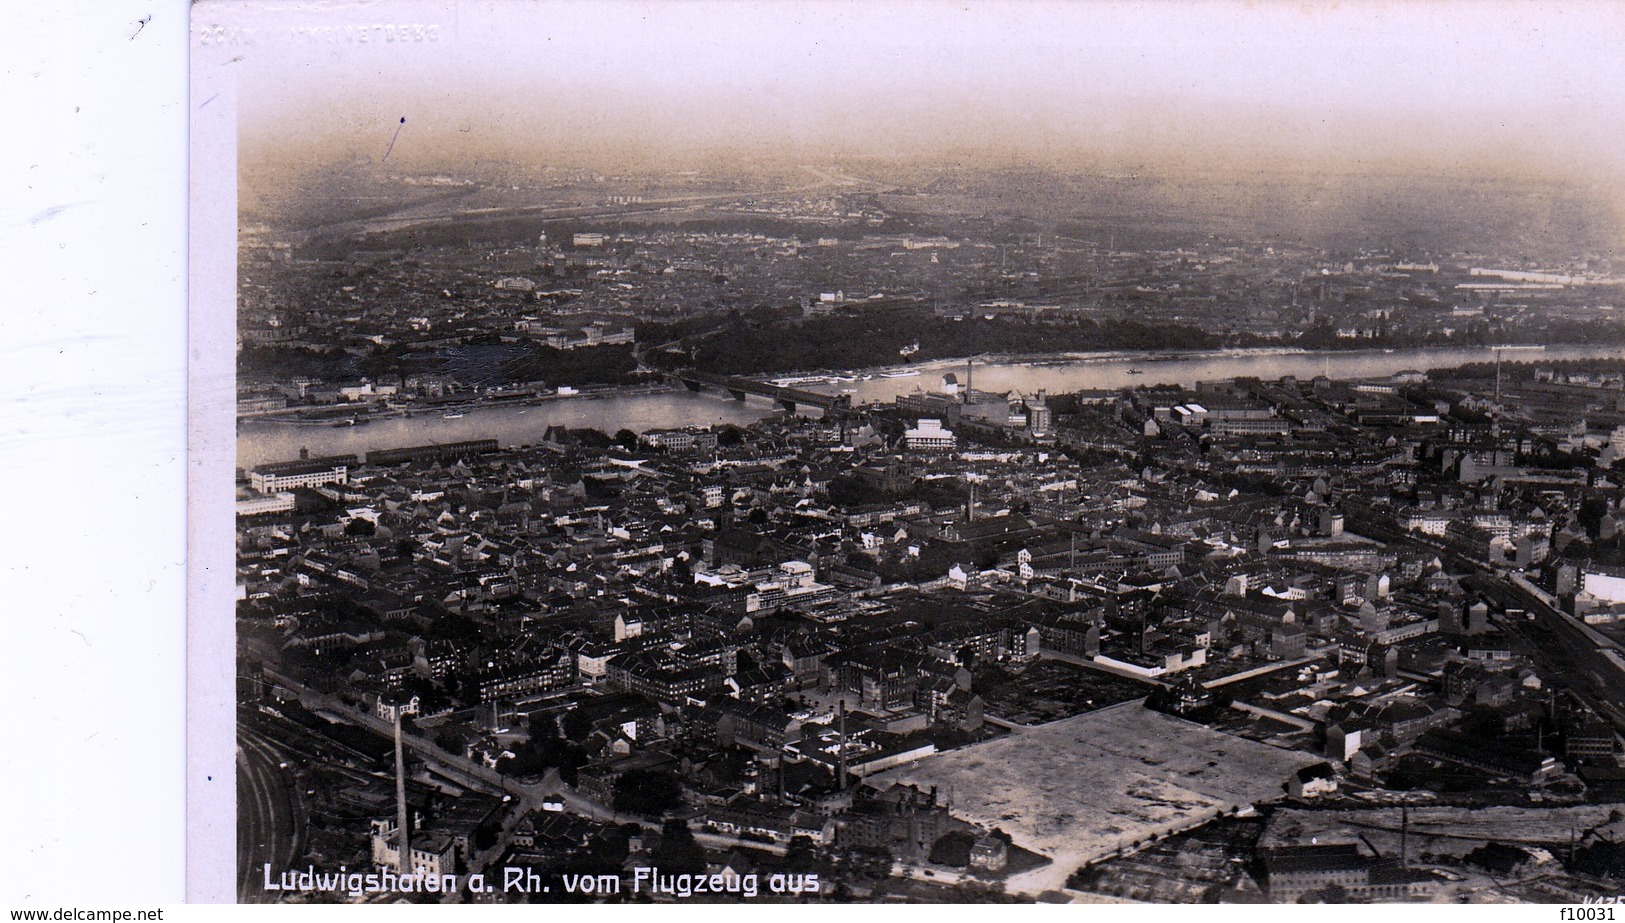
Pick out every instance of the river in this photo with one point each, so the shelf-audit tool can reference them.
(261, 441)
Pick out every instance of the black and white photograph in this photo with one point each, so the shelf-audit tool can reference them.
(906, 453)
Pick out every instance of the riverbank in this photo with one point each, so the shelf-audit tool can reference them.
(816, 377)
(342, 415)
(666, 406)
(1049, 360)
(832, 380)
(1115, 355)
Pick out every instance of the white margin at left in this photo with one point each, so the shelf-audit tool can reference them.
(211, 656)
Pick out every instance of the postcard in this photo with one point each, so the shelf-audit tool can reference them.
(820, 452)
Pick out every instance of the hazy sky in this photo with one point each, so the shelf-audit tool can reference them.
(1520, 85)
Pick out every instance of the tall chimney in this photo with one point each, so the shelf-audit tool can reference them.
(1404, 835)
(402, 816)
(841, 756)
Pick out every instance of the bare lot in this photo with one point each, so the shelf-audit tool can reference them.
(1081, 788)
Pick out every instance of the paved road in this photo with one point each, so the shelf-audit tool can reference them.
(1088, 664)
(1287, 718)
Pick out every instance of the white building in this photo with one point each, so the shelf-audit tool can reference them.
(269, 482)
(258, 506)
(929, 435)
(434, 856)
(1604, 585)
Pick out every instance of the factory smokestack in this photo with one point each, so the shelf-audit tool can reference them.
(402, 815)
(841, 755)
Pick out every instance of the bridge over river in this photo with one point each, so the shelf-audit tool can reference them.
(740, 388)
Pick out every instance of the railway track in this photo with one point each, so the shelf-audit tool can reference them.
(270, 813)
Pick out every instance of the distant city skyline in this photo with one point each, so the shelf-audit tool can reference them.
(1501, 88)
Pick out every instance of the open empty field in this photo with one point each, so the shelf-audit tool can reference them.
(1080, 788)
